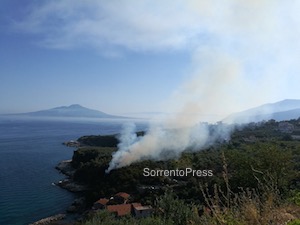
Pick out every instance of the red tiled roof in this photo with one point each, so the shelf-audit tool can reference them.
(123, 195)
(121, 210)
(102, 201)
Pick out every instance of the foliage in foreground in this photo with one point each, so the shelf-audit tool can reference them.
(257, 184)
(249, 206)
(294, 222)
(246, 208)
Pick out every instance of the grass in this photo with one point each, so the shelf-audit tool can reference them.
(261, 206)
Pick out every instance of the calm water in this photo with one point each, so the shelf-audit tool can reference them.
(29, 151)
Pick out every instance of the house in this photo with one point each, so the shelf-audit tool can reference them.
(119, 206)
(136, 209)
(101, 203)
(121, 197)
(140, 211)
(120, 210)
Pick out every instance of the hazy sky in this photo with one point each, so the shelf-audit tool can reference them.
(123, 56)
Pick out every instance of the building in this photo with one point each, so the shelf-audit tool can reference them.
(136, 209)
(121, 197)
(101, 203)
(120, 210)
(119, 206)
(140, 211)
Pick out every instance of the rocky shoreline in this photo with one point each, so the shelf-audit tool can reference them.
(50, 220)
(79, 204)
(65, 167)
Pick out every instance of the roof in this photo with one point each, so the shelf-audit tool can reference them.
(134, 205)
(139, 207)
(123, 195)
(102, 201)
(121, 210)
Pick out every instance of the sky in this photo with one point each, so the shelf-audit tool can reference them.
(127, 56)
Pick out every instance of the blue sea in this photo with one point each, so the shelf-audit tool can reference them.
(29, 151)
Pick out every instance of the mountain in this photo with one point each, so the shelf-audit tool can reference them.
(74, 110)
(282, 110)
(286, 115)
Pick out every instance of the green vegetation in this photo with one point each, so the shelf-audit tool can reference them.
(104, 217)
(294, 222)
(256, 181)
(99, 140)
(102, 140)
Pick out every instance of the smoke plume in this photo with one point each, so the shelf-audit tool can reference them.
(245, 54)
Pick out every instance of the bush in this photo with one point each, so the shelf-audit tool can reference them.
(294, 222)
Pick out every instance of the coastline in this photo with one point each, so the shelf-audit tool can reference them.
(78, 206)
(65, 167)
(32, 176)
(50, 220)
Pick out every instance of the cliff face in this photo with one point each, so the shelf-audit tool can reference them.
(66, 168)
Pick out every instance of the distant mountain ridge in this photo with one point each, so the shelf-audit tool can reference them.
(283, 110)
(74, 110)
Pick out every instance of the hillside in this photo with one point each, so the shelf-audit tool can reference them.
(259, 164)
(282, 110)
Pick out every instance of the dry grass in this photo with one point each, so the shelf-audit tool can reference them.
(262, 206)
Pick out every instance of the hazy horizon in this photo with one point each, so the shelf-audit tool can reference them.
(192, 57)
(130, 115)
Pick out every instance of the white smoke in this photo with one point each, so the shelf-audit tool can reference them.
(128, 136)
(244, 53)
(182, 131)
(248, 59)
